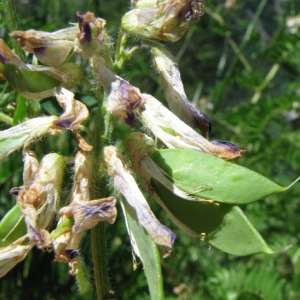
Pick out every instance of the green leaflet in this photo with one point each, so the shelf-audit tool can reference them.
(148, 252)
(12, 226)
(211, 178)
(29, 83)
(225, 226)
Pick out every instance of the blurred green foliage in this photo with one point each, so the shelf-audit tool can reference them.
(245, 76)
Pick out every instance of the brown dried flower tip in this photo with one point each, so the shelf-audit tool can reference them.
(91, 35)
(123, 100)
(51, 48)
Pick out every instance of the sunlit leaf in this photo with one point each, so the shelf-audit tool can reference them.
(12, 226)
(224, 226)
(211, 178)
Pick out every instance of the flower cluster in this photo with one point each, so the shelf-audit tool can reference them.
(38, 200)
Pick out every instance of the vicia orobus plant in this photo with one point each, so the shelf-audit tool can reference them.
(167, 157)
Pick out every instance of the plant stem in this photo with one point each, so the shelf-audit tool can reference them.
(12, 23)
(271, 74)
(6, 119)
(98, 236)
(100, 262)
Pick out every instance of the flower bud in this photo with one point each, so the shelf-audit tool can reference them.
(165, 20)
(51, 48)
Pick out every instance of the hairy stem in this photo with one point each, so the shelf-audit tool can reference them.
(98, 236)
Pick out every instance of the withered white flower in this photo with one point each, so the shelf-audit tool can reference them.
(126, 185)
(12, 255)
(23, 134)
(166, 20)
(75, 112)
(175, 94)
(87, 214)
(123, 100)
(91, 36)
(51, 48)
(174, 133)
(38, 201)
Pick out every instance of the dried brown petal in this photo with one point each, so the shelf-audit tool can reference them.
(175, 94)
(38, 201)
(91, 35)
(88, 214)
(123, 100)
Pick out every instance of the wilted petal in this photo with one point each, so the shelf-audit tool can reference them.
(51, 48)
(39, 201)
(8, 57)
(123, 100)
(30, 167)
(126, 185)
(66, 245)
(165, 20)
(12, 255)
(175, 94)
(75, 112)
(176, 134)
(91, 36)
(88, 214)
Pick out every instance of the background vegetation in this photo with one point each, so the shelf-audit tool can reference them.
(241, 66)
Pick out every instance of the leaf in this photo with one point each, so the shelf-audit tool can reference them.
(211, 178)
(29, 83)
(12, 226)
(147, 250)
(224, 226)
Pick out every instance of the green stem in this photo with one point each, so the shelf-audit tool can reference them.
(271, 74)
(12, 23)
(98, 234)
(100, 261)
(6, 119)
